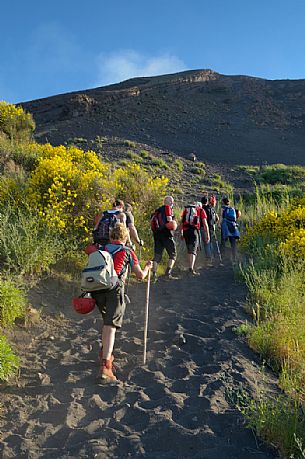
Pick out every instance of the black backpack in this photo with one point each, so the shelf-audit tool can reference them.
(102, 232)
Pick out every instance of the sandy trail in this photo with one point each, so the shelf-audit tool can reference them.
(174, 407)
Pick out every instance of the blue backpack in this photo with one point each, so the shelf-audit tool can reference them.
(229, 214)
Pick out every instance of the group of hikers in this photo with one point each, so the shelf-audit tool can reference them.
(112, 256)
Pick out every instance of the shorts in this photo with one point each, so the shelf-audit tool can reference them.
(111, 304)
(163, 241)
(192, 241)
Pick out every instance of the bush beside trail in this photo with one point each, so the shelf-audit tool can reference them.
(274, 274)
(49, 197)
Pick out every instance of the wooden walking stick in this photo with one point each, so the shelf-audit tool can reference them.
(146, 318)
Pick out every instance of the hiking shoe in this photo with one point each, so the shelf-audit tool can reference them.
(171, 277)
(154, 278)
(192, 272)
(106, 371)
(100, 355)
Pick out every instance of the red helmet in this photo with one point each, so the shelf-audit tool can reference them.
(83, 305)
(90, 249)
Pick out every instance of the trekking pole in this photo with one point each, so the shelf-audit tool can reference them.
(146, 318)
(217, 245)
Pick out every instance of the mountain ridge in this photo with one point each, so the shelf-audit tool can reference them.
(221, 118)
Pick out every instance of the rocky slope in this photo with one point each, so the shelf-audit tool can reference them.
(223, 119)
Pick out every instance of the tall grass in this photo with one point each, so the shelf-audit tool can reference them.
(9, 362)
(27, 247)
(277, 304)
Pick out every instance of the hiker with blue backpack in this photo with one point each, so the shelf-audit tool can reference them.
(229, 227)
(193, 218)
(104, 278)
(163, 225)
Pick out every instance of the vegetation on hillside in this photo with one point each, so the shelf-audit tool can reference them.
(50, 195)
(274, 274)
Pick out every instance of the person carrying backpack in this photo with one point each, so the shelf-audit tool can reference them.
(110, 298)
(192, 219)
(163, 226)
(106, 221)
(134, 237)
(229, 227)
(208, 205)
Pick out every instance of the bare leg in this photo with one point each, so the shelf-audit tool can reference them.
(170, 264)
(108, 337)
(191, 260)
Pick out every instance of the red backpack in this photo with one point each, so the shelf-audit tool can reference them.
(158, 220)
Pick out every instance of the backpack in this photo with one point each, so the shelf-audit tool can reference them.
(158, 220)
(99, 274)
(191, 217)
(229, 214)
(107, 222)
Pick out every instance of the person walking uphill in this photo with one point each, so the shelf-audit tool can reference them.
(111, 302)
(163, 226)
(193, 218)
(134, 237)
(208, 205)
(229, 227)
(107, 220)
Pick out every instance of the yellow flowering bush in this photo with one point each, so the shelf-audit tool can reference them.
(69, 186)
(66, 187)
(15, 122)
(287, 230)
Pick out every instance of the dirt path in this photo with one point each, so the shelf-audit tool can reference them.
(174, 407)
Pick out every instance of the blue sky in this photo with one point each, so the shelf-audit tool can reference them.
(68, 45)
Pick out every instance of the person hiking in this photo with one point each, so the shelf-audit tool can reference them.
(163, 226)
(111, 302)
(229, 227)
(107, 220)
(192, 219)
(134, 237)
(208, 205)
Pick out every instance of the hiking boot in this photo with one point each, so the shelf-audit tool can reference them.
(106, 371)
(100, 355)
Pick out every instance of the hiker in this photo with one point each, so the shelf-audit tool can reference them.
(134, 237)
(192, 219)
(208, 205)
(107, 220)
(163, 226)
(111, 302)
(229, 227)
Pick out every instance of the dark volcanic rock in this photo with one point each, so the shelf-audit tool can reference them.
(223, 119)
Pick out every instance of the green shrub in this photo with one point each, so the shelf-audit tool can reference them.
(220, 185)
(22, 153)
(9, 362)
(27, 245)
(13, 302)
(179, 165)
(282, 174)
(133, 156)
(130, 143)
(159, 162)
(144, 154)
(15, 122)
